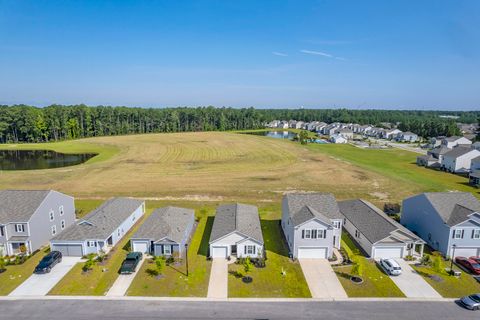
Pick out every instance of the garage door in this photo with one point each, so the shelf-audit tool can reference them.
(219, 252)
(466, 252)
(312, 253)
(72, 250)
(388, 252)
(140, 247)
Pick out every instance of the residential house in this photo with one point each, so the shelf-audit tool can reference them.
(329, 129)
(336, 138)
(474, 178)
(346, 133)
(451, 142)
(476, 145)
(236, 231)
(433, 158)
(283, 125)
(475, 164)
(165, 232)
(101, 229)
(30, 218)
(391, 133)
(300, 125)
(312, 224)
(407, 137)
(447, 221)
(377, 234)
(459, 159)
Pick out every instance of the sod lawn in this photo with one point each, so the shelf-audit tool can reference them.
(15, 275)
(375, 282)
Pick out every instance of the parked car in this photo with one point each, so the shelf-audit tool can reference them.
(131, 262)
(48, 262)
(469, 264)
(391, 267)
(471, 302)
(476, 259)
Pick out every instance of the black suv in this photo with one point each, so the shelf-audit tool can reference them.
(48, 262)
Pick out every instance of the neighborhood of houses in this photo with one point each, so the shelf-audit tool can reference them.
(312, 225)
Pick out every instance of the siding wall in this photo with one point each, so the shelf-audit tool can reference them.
(466, 241)
(313, 224)
(361, 240)
(241, 249)
(228, 241)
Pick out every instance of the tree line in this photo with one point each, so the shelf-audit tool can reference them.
(23, 123)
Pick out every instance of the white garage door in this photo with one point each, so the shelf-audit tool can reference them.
(388, 252)
(219, 252)
(312, 253)
(140, 247)
(466, 252)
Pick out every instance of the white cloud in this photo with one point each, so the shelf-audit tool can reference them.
(340, 58)
(317, 53)
(280, 54)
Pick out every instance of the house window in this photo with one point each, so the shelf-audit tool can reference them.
(118, 232)
(357, 234)
(476, 234)
(167, 250)
(2, 231)
(91, 244)
(133, 218)
(63, 224)
(52, 216)
(321, 234)
(19, 228)
(60, 209)
(249, 249)
(457, 234)
(307, 234)
(54, 230)
(336, 224)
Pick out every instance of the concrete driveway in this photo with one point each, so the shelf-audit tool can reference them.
(321, 279)
(218, 283)
(41, 284)
(412, 284)
(121, 285)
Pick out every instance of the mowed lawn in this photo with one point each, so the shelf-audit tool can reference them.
(174, 281)
(269, 281)
(375, 282)
(15, 275)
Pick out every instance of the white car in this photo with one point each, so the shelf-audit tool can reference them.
(391, 267)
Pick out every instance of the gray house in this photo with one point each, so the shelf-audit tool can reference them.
(29, 219)
(101, 229)
(236, 231)
(312, 224)
(445, 220)
(377, 234)
(164, 232)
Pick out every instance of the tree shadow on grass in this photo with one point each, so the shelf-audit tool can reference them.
(203, 249)
(274, 238)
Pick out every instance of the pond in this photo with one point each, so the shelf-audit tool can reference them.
(275, 134)
(40, 159)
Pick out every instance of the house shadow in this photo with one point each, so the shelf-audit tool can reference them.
(274, 238)
(203, 248)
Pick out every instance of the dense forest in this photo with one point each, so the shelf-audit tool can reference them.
(22, 123)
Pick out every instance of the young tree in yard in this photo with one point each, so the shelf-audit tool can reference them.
(2, 264)
(437, 263)
(247, 265)
(357, 268)
(160, 264)
(303, 137)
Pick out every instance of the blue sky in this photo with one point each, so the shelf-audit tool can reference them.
(269, 54)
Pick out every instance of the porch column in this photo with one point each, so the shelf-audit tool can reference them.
(421, 249)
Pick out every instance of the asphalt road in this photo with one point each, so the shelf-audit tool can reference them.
(135, 309)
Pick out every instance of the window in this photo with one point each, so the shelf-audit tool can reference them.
(54, 230)
(118, 232)
(60, 209)
(336, 224)
(307, 234)
(476, 234)
(19, 228)
(63, 224)
(357, 234)
(2, 231)
(133, 218)
(250, 249)
(321, 234)
(91, 244)
(167, 249)
(52, 215)
(457, 234)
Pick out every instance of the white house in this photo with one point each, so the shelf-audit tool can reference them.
(452, 142)
(459, 159)
(336, 138)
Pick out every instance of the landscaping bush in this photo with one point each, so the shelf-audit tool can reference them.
(259, 263)
(2, 264)
(426, 260)
(88, 265)
(437, 264)
(160, 263)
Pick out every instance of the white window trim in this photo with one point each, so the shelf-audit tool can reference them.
(54, 230)
(169, 249)
(320, 233)
(91, 244)
(308, 234)
(62, 224)
(60, 209)
(457, 234)
(51, 215)
(19, 228)
(250, 249)
(476, 234)
(337, 224)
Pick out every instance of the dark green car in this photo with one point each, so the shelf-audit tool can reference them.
(131, 262)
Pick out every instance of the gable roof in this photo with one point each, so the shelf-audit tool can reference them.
(238, 217)
(101, 222)
(440, 150)
(453, 207)
(372, 222)
(319, 205)
(459, 151)
(168, 222)
(20, 205)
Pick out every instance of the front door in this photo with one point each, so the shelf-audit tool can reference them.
(234, 249)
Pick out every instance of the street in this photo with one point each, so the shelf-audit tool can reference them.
(150, 309)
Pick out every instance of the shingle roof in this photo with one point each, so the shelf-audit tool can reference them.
(20, 205)
(453, 207)
(371, 221)
(168, 222)
(101, 222)
(441, 150)
(238, 217)
(320, 205)
(458, 151)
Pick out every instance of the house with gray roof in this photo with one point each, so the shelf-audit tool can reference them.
(449, 222)
(236, 231)
(376, 233)
(101, 229)
(30, 218)
(452, 142)
(459, 159)
(165, 232)
(312, 224)
(407, 137)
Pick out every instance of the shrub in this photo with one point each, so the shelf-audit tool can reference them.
(88, 265)
(2, 264)
(437, 264)
(357, 268)
(160, 263)
(426, 260)
(247, 265)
